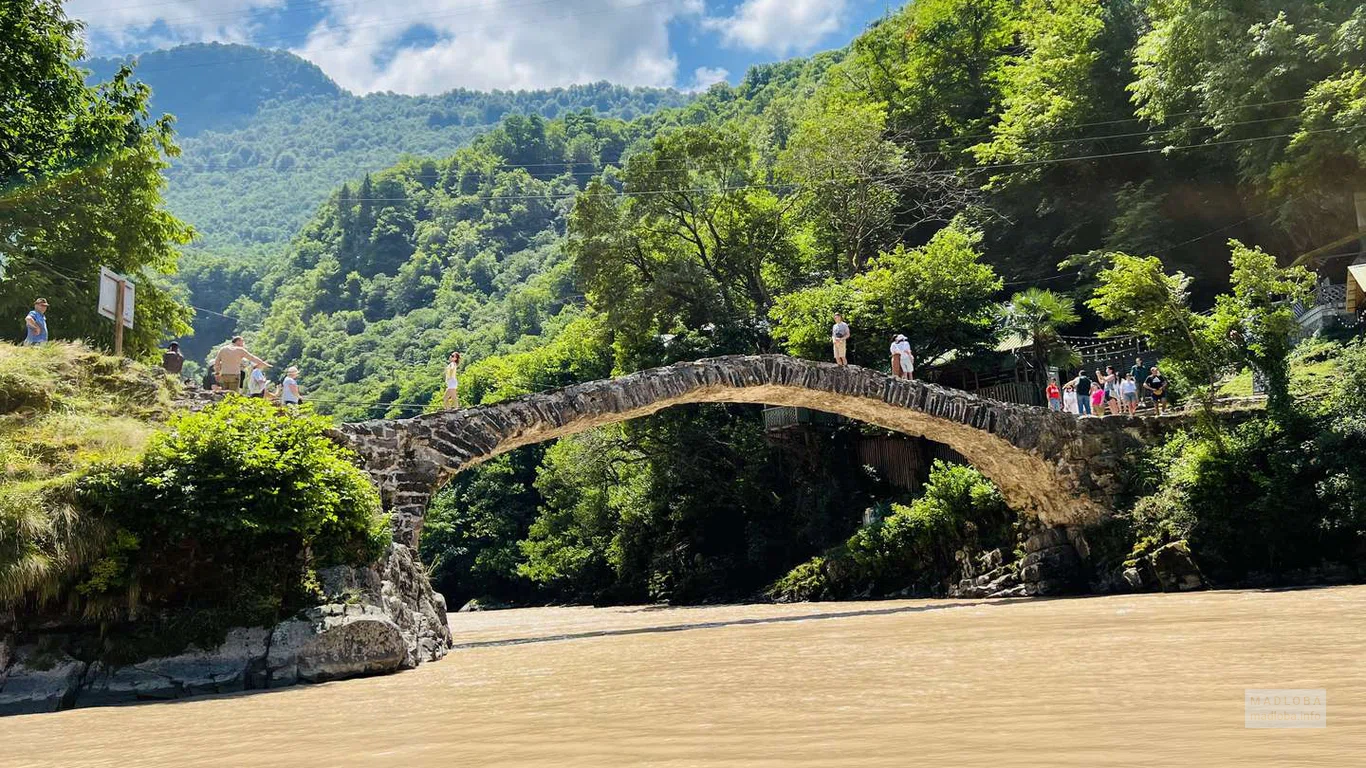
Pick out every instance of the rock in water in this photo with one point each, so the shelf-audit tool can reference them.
(377, 620)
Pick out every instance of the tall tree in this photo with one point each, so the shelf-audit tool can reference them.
(1038, 315)
(938, 295)
(692, 244)
(1282, 83)
(80, 185)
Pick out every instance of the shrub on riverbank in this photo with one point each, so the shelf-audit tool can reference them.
(1270, 496)
(219, 518)
(912, 548)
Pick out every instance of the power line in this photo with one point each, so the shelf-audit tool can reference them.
(943, 172)
(597, 165)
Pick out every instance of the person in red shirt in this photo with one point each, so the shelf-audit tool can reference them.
(1054, 396)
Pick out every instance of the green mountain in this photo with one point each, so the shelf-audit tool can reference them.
(216, 86)
(265, 135)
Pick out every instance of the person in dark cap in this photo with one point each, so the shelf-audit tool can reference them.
(35, 324)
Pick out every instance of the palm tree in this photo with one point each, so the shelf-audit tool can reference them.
(1037, 315)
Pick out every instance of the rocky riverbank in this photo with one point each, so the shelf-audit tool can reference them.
(375, 620)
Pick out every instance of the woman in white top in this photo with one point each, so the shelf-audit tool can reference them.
(1069, 399)
(256, 383)
(452, 397)
(903, 362)
(289, 391)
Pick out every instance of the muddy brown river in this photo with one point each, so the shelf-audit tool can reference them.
(1147, 680)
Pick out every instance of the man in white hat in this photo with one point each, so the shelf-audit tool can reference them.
(903, 362)
(289, 390)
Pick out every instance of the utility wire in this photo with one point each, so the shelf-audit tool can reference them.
(943, 172)
(184, 168)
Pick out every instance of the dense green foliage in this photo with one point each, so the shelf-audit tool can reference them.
(1270, 497)
(692, 504)
(107, 514)
(80, 186)
(216, 520)
(229, 508)
(917, 181)
(912, 549)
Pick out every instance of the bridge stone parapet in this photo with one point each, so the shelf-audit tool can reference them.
(1058, 468)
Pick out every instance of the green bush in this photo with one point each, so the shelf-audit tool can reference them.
(1268, 496)
(224, 517)
(913, 547)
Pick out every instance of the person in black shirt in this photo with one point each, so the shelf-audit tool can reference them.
(171, 360)
(1082, 385)
(1156, 387)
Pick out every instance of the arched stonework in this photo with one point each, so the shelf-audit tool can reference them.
(1061, 469)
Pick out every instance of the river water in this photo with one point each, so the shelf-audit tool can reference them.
(1149, 680)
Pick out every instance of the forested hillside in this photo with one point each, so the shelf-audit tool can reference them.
(265, 135)
(213, 86)
(956, 153)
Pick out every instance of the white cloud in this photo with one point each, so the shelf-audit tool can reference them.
(509, 44)
(123, 22)
(705, 77)
(779, 26)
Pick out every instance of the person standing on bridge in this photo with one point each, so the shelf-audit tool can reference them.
(452, 397)
(903, 362)
(1054, 395)
(1128, 388)
(1156, 387)
(227, 364)
(839, 338)
(1069, 399)
(1082, 386)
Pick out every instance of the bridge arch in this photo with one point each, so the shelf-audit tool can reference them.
(1060, 469)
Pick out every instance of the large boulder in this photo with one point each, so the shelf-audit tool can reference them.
(39, 680)
(399, 587)
(1176, 571)
(334, 642)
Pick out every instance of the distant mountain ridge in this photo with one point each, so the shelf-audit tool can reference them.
(266, 134)
(188, 81)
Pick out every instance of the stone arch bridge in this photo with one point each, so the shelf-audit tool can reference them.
(1057, 468)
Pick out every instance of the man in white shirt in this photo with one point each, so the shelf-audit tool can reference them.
(839, 338)
(901, 349)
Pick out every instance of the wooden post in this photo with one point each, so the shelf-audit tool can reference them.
(118, 319)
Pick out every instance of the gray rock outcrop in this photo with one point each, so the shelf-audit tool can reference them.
(376, 620)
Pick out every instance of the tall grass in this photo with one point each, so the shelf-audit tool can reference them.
(63, 409)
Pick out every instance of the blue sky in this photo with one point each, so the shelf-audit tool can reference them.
(430, 46)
